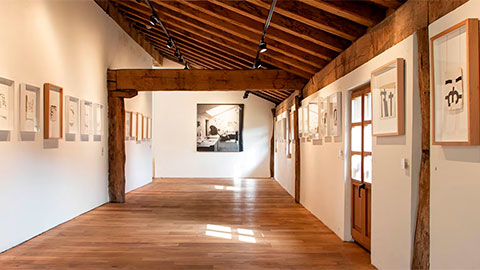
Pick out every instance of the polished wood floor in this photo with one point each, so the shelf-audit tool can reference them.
(192, 224)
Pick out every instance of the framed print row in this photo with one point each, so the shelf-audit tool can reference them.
(137, 126)
(54, 110)
(321, 117)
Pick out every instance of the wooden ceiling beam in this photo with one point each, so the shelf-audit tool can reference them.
(189, 55)
(316, 18)
(255, 27)
(286, 24)
(206, 80)
(268, 98)
(364, 13)
(179, 37)
(196, 64)
(244, 36)
(393, 4)
(112, 11)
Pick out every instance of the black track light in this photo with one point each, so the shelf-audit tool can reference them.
(262, 46)
(186, 66)
(169, 44)
(245, 95)
(154, 20)
(258, 64)
(176, 54)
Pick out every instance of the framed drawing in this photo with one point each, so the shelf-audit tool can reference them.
(300, 122)
(128, 124)
(139, 127)
(7, 89)
(71, 115)
(335, 114)
(313, 120)
(388, 99)
(219, 127)
(323, 119)
(85, 117)
(29, 108)
(145, 128)
(455, 85)
(150, 128)
(134, 128)
(53, 111)
(97, 119)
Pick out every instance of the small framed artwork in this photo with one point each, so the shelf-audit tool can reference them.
(323, 119)
(134, 128)
(71, 115)
(313, 120)
(388, 99)
(139, 126)
(29, 108)
(97, 119)
(335, 114)
(300, 122)
(53, 111)
(128, 124)
(145, 128)
(7, 88)
(85, 117)
(150, 128)
(455, 85)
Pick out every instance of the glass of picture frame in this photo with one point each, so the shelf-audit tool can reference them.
(53, 111)
(29, 108)
(7, 89)
(455, 85)
(71, 115)
(85, 117)
(388, 99)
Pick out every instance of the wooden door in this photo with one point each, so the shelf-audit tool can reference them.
(361, 165)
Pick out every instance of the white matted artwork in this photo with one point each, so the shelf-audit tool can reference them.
(388, 99)
(145, 128)
(134, 129)
(29, 108)
(313, 119)
(53, 111)
(335, 114)
(97, 119)
(7, 89)
(300, 122)
(128, 124)
(71, 115)
(323, 119)
(455, 77)
(85, 117)
(139, 126)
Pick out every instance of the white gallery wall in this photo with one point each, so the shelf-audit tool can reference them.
(71, 44)
(325, 169)
(454, 186)
(175, 131)
(284, 165)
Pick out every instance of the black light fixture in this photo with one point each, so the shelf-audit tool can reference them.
(262, 46)
(176, 54)
(245, 95)
(169, 44)
(258, 64)
(186, 66)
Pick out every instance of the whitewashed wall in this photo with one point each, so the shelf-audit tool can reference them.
(454, 186)
(174, 138)
(69, 43)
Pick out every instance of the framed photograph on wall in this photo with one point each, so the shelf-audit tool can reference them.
(455, 85)
(7, 89)
(335, 114)
(53, 111)
(29, 108)
(388, 99)
(219, 127)
(128, 124)
(71, 115)
(85, 117)
(97, 119)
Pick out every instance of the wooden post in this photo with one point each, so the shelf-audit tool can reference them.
(421, 248)
(296, 138)
(272, 147)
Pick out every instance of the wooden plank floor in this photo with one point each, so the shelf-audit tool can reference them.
(192, 224)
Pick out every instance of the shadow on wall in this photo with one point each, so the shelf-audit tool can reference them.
(462, 153)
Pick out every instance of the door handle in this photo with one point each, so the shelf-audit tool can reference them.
(359, 189)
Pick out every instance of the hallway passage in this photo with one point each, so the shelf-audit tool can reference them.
(192, 224)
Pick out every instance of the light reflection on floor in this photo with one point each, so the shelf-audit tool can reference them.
(224, 232)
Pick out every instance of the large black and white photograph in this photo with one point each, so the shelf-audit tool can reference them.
(220, 127)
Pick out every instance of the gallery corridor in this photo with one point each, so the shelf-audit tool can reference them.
(192, 224)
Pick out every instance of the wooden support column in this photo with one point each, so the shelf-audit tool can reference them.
(296, 138)
(272, 147)
(421, 247)
(116, 138)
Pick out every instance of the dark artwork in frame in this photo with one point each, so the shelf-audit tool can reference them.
(220, 127)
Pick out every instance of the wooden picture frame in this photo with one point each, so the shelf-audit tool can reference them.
(455, 99)
(388, 118)
(53, 111)
(128, 124)
(139, 135)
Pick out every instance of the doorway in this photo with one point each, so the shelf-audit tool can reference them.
(361, 165)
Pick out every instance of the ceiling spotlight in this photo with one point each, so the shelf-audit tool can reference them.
(169, 44)
(262, 46)
(176, 54)
(148, 27)
(186, 66)
(257, 65)
(154, 20)
(245, 95)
